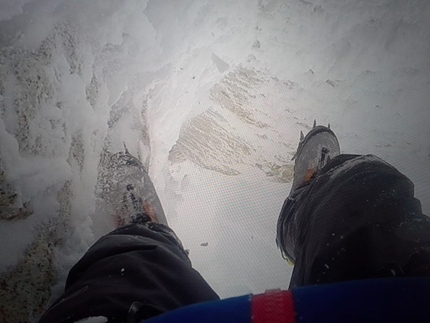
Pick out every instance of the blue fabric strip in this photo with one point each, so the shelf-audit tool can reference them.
(377, 300)
(393, 300)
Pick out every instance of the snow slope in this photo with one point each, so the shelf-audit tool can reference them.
(211, 96)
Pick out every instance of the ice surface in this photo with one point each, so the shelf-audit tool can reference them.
(79, 79)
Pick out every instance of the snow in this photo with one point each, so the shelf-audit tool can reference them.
(10, 8)
(78, 78)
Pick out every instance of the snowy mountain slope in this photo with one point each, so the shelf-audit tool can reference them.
(59, 108)
(240, 128)
(211, 96)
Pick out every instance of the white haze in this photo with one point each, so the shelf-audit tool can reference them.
(362, 66)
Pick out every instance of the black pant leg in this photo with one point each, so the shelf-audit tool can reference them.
(357, 219)
(134, 268)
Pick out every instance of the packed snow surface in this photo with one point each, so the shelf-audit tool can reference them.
(211, 96)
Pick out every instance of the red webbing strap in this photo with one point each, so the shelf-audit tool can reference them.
(273, 307)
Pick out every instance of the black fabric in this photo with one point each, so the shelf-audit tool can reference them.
(138, 269)
(357, 219)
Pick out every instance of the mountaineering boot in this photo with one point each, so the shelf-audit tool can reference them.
(131, 195)
(314, 152)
